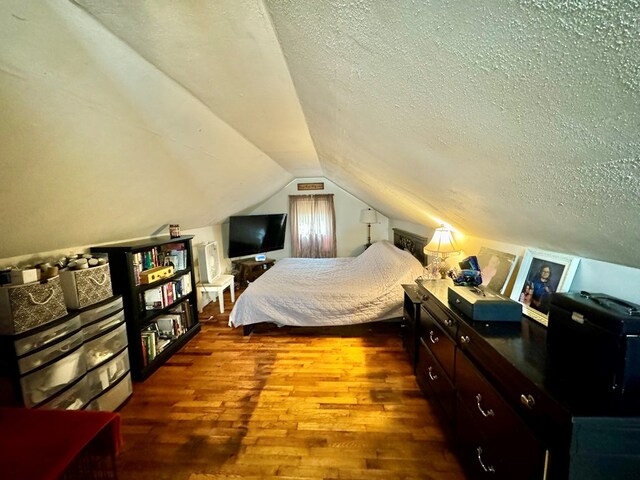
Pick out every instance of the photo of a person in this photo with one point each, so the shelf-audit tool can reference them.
(489, 270)
(527, 293)
(495, 268)
(541, 283)
(541, 275)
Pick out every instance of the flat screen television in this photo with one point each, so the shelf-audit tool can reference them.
(253, 234)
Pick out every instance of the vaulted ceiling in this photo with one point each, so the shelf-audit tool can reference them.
(514, 121)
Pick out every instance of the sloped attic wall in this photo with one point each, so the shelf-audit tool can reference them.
(97, 144)
(513, 121)
(517, 121)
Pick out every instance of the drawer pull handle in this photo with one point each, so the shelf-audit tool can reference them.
(43, 302)
(448, 322)
(485, 413)
(465, 339)
(487, 469)
(528, 400)
(100, 283)
(432, 377)
(432, 338)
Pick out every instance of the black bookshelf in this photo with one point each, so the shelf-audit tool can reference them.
(155, 334)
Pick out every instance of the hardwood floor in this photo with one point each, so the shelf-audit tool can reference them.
(283, 404)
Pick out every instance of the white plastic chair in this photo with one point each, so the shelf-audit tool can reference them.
(212, 281)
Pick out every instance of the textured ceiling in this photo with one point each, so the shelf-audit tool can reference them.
(514, 121)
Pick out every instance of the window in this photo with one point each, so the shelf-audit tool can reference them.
(313, 226)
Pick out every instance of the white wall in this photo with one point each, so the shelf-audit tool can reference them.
(350, 233)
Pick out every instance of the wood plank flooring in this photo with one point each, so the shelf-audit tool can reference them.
(283, 404)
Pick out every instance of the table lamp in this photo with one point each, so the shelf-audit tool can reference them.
(368, 216)
(440, 247)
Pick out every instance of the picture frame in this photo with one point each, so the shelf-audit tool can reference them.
(496, 268)
(542, 273)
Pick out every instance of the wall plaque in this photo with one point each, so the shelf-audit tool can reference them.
(311, 186)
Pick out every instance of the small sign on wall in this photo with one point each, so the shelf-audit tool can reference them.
(311, 186)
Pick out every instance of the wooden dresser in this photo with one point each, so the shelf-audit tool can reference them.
(489, 382)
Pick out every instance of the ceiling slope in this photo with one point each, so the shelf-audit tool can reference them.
(98, 145)
(226, 54)
(516, 121)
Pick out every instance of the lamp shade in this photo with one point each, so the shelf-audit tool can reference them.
(368, 216)
(442, 243)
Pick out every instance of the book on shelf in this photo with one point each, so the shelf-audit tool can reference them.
(149, 343)
(153, 299)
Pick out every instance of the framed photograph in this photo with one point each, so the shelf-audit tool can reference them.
(496, 268)
(541, 274)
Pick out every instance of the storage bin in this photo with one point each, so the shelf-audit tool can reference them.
(96, 328)
(104, 376)
(41, 384)
(87, 286)
(23, 307)
(74, 398)
(114, 397)
(103, 348)
(100, 309)
(35, 360)
(59, 329)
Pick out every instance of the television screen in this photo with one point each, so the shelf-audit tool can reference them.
(252, 234)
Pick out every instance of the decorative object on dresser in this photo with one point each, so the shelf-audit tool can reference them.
(490, 382)
(211, 278)
(541, 274)
(441, 246)
(479, 303)
(368, 216)
(497, 268)
(170, 299)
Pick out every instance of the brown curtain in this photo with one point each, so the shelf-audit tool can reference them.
(313, 226)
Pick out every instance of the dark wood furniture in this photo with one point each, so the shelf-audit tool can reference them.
(249, 269)
(150, 344)
(411, 322)
(412, 243)
(489, 381)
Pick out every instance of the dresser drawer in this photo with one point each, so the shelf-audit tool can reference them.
(105, 375)
(434, 382)
(49, 354)
(74, 398)
(490, 411)
(100, 310)
(97, 328)
(105, 347)
(439, 342)
(444, 318)
(492, 457)
(42, 384)
(538, 410)
(60, 329)
(111, 399)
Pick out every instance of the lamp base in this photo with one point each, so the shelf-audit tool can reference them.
(437, 269)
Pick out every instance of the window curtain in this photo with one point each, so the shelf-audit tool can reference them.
(312, 226)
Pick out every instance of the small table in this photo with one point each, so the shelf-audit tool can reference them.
(53, 444)
(251, 269)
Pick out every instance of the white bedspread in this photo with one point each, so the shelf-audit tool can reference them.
(334, 291)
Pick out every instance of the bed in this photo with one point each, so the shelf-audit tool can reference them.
(331, 291)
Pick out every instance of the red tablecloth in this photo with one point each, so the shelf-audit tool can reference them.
(41, 444)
